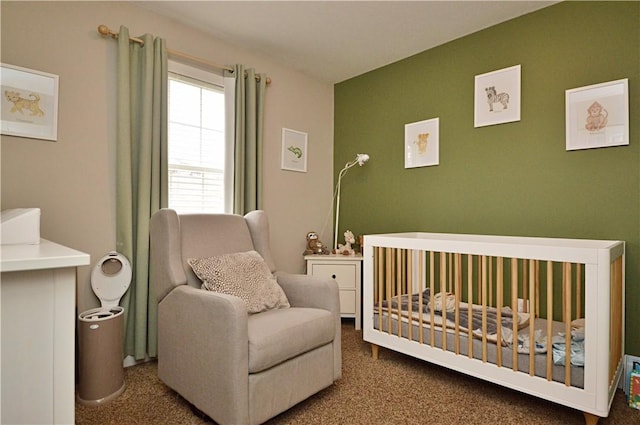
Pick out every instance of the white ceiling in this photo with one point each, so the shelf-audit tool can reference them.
(336, 40)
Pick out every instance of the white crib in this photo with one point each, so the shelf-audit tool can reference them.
(498, 308)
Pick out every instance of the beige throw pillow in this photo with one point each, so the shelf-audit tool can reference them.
(243, 274)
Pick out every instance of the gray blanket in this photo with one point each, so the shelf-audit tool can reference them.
(463, 313)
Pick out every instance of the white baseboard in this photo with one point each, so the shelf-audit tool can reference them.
(131, 361)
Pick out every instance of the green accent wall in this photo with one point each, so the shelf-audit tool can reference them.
(508, 179)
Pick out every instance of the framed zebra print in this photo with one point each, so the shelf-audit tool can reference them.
(497, 97)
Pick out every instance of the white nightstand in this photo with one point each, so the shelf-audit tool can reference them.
(347, 271)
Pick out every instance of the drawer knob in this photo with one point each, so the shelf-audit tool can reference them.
(333, 276)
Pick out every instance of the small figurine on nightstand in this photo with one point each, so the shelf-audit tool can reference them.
(346, 248)
(315, 245)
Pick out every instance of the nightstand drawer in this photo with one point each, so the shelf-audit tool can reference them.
(344, 274)
(346, 270)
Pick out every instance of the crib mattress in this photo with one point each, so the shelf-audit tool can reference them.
(540, 359)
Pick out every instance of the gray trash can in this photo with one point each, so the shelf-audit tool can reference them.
(100, 370)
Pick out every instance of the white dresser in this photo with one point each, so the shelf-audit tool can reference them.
(347, 271)
(38, 332)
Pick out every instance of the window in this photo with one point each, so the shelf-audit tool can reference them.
(200, 158)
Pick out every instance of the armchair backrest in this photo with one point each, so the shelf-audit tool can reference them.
(176, 238)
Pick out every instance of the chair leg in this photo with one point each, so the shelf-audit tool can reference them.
(197, 412)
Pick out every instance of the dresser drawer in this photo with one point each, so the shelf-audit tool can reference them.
(344, 274)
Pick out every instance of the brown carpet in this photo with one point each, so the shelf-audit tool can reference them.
(396, 389)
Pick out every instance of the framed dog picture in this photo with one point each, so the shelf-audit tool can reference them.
(29, 103)
(497, 97)
(597, 116)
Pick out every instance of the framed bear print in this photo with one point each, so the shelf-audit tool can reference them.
(422, 143)
(29, 103)
(597, 116)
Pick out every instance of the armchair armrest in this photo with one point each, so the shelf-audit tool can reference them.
(310, 291)
(203, 350)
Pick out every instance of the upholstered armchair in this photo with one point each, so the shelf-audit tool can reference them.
(235, 366)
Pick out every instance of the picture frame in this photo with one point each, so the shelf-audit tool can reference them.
(597, 116)
(294, 150)
(497, 97)
(29, 103)
(422, 143)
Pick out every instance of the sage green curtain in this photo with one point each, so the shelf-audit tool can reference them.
(249, 110)
(141, 177)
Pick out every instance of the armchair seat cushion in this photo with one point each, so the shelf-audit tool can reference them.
(276, 336)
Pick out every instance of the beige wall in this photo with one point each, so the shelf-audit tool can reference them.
(72, 180)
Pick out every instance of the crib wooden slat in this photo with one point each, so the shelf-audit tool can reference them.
(476, 286)
(536, 294)
(499, 302)
(490, 302)
(469, 303)
(514, 308)
(450, 273)
(532, 320)
(457, 291)
(379, 286)
(388, 286)
(579, 291)
(525, 286)
(409, 277)
(566, 280)
(403, 270)
(443, 299)
(549, 319)
(422, 286)
(398, 284)
(483, 283)
(431, 294)
(564, 294)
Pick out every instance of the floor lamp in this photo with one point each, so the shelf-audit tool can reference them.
(361, 158)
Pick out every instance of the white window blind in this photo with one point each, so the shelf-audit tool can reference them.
(196, 139)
